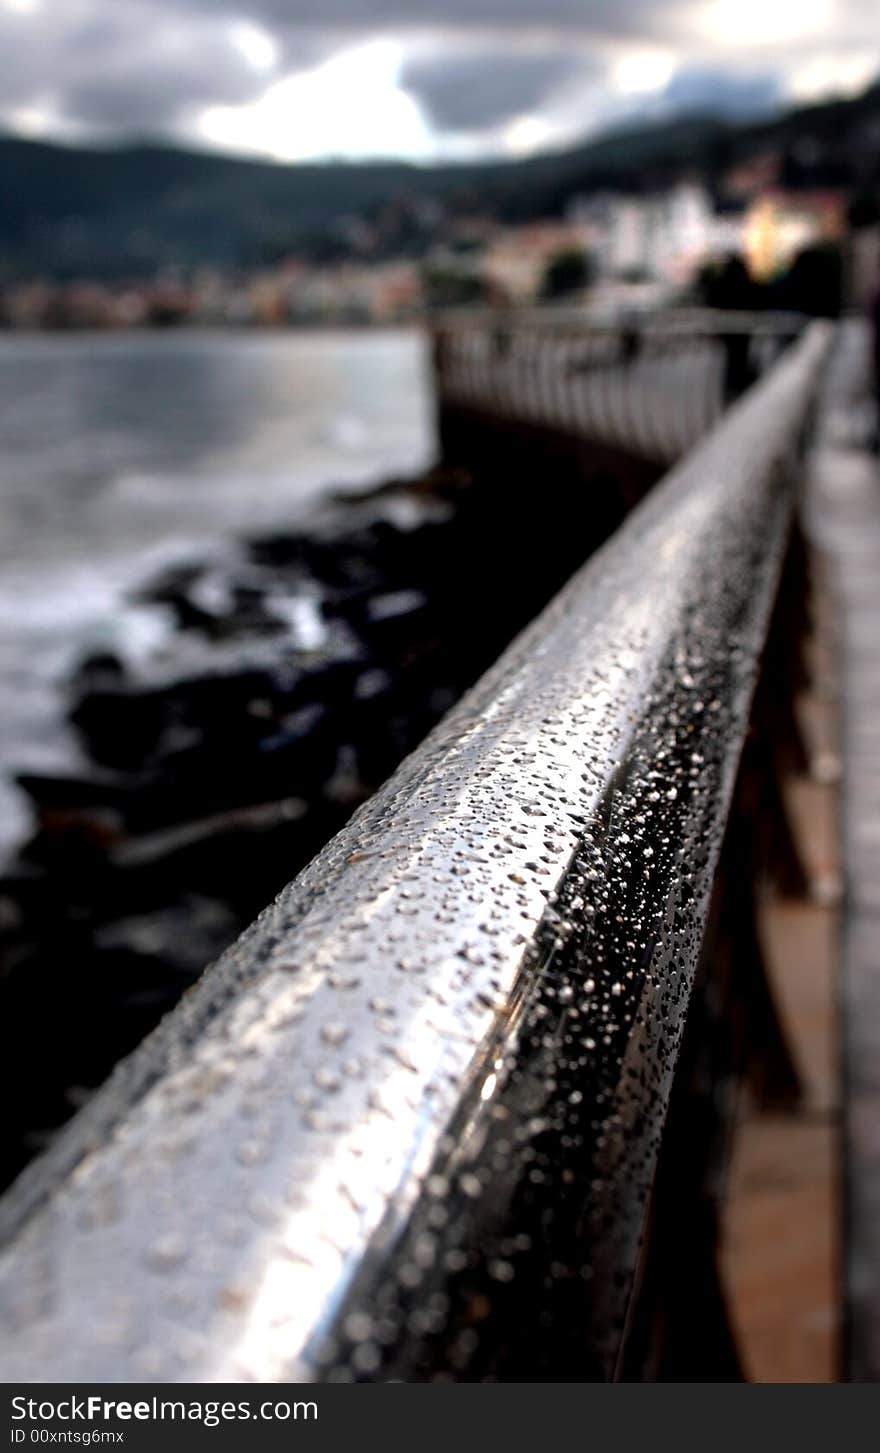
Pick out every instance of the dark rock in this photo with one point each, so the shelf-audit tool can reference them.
(294, 675)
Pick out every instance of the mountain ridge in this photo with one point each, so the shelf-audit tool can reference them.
(74, 210)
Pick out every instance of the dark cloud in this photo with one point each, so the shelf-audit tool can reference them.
(130, 69)
(157, 93)
(152, 65)
(122, 66)
(597, 17)
(477, 90)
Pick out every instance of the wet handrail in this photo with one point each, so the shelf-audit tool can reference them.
(457, 1029)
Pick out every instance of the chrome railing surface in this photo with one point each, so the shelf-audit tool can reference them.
(416, 1110)
(653, 387)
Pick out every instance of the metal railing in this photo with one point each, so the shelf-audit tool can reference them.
(409, 1125)
(653, 387)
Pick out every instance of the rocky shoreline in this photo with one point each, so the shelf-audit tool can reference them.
(292, 676)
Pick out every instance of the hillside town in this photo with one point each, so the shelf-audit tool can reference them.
(609, 247)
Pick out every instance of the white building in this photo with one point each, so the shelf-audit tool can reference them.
(665, 237)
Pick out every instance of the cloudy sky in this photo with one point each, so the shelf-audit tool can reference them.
(423, 79)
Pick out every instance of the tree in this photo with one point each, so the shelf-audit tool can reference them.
(447, 286)
(814, 282)
(724, 282)
(864, 209)
(568, 271)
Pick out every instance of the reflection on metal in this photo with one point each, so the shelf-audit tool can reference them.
(409, 1124)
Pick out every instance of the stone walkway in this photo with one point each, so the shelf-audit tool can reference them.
(801, 1249)
(780, 1247)
(843, 510)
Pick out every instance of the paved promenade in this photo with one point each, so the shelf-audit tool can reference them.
(843, 507)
